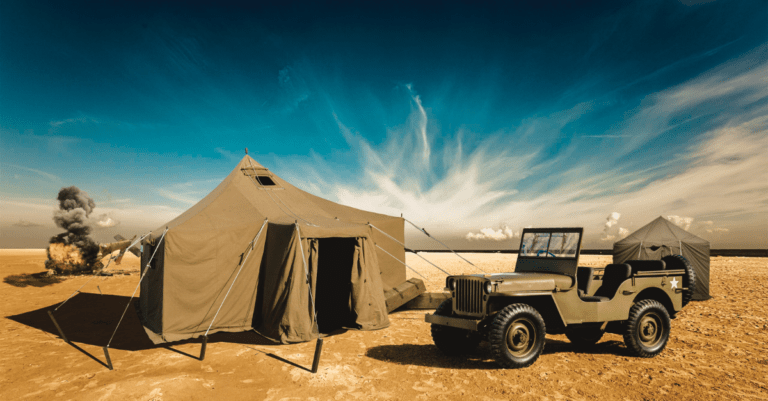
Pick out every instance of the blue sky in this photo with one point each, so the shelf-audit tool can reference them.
(474, 121)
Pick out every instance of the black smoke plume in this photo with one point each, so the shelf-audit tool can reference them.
(74, 208)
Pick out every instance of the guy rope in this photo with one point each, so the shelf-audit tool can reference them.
(251, 246)
(441, 243)
(111, 258)
(146, 269)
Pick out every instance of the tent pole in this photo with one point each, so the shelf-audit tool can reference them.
(61, 332)
(319, 346)
(318, 350)
(146, 269)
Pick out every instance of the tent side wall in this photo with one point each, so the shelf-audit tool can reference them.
(623, 252)
(392, 271)
(151, 299)
(661, 238)
(698, 255)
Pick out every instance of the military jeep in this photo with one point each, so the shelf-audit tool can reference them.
(549, 293)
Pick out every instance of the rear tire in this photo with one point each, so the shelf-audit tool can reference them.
(584, 336)
(678, 262)
(517, 336)
(647, 329)
(451, 340)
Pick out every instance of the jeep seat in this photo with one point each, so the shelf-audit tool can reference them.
(584, 279)
(646, 265)
(613, 276)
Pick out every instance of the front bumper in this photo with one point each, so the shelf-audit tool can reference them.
(459, 323)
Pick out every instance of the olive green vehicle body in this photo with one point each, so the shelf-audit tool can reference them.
(550, 285)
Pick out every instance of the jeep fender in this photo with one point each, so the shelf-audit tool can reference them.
(658, 295)
(543, 302)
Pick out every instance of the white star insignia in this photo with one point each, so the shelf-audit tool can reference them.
(674, 283)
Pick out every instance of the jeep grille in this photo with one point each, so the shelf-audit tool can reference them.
(469, 296)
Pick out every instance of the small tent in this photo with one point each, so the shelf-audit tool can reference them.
(661, 238)
(260, 253)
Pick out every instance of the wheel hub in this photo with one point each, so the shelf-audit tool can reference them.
(520, 337)
(649, 329)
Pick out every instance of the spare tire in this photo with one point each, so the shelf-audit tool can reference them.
(678, 262)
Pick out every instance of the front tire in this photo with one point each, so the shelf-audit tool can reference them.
(648, 329)
(451, 340)
(517, 336)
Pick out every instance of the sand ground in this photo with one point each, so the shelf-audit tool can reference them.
(718, 349)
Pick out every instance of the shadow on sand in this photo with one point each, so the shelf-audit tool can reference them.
(91, 319)
(482, 358)
(32, 280)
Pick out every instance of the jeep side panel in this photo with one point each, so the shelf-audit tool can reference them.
(576, 311)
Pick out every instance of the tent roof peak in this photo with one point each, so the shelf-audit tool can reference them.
(248, 161)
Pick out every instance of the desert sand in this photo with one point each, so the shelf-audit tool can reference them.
(718, 349)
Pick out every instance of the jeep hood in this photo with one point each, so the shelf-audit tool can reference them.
(508, 282)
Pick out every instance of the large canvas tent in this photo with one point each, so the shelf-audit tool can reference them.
(260, 253)
(661, 238)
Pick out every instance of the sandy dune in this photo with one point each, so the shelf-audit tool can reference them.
(718, 349)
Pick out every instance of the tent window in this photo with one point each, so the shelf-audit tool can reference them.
(655, 248)
(265, 180)
(261, 177)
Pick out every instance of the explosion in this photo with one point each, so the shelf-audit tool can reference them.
(73, 251)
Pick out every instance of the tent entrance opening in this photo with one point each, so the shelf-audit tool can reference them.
(334, 283)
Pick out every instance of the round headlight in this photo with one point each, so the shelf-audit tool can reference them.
(488, 287)
(453, 285)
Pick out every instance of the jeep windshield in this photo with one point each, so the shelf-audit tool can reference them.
(553, 244)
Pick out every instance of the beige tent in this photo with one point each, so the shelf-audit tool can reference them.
(241, 259)
(661, 238)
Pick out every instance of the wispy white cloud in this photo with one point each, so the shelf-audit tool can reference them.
(722, 176)
(682, 222)
(606, 136)
(49, 176)
(83, 119)
(610, 221)
(26, 224)
(294, 86)
(231, 156)
(189, 192)
(189, 198)
(419, 122)
(623, 232)
(106, 221)
(24, 213)
(501, 234)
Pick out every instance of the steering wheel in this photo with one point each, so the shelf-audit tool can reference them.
(543, 251)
